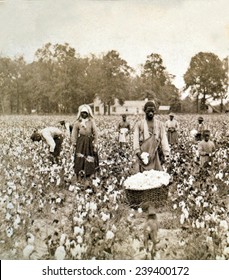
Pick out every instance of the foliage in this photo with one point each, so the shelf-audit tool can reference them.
(157, 83)
(206, 77)
(59, 80)
(115, 73)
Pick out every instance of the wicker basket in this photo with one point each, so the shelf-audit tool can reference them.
(156, 196)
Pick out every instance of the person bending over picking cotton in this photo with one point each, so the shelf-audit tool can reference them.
(53, 136)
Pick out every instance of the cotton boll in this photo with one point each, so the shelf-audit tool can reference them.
(78, 230)
(10, 205)
(71, 188)
(182, 219)
(8, 216)
(220, 257)
(79, 239)
(9, 231)
(63, 238)
(109, 235)
(60, 253)
(223, 225)
(58, 200)
(105, 217)
(30, 238)
(28, 250)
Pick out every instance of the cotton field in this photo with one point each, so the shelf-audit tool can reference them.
(46, 214)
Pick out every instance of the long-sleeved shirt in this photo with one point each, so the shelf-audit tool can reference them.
(200, 127)
(171, 124)
(141, 133)
(89, 129)
(205, 149)
(48, 134)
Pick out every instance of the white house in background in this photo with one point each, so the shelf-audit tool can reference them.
(164, 109)
(130, 107)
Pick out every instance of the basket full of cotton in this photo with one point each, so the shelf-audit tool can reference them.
(148, 186)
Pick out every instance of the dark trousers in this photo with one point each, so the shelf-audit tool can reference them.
(58, 140)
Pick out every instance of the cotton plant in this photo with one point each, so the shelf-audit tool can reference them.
(27, 166)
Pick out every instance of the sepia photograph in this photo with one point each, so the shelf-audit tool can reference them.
(114, 130)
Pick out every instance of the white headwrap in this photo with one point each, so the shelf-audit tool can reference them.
(84, 108)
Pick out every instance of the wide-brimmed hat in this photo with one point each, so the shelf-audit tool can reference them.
(200, 119)
(171, 114)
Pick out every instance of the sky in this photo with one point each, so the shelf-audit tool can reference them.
(175, 29)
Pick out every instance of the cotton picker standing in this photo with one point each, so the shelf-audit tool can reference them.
(171, 127)
(149, 137)
(84, 137)
(123, 130)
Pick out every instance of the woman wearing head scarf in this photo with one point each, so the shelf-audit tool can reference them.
(171, 127)
(149, 137)
(84, 137)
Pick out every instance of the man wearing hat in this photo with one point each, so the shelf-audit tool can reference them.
(206, 149)
(149, 137)
(123, 130)
(200, 128)
(171, 127)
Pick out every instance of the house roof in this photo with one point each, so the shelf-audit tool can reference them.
(164, 108)
(134, 103)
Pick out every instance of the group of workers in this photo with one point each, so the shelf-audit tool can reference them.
(152, 140)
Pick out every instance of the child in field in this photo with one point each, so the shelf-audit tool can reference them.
(206, 149)
(53, 136)
(123, 130)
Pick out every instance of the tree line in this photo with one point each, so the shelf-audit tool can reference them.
(59, 80)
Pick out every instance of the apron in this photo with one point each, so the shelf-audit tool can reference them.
(150, 145)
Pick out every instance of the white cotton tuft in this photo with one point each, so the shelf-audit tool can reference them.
(60, 253)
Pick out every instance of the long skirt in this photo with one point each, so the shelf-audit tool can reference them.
(150, 146)
(86, 161)
(172, 137)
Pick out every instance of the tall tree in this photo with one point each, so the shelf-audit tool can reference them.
(116, 72)
(205, 78)
(154, 77)
(12, 84)
(62, 76)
